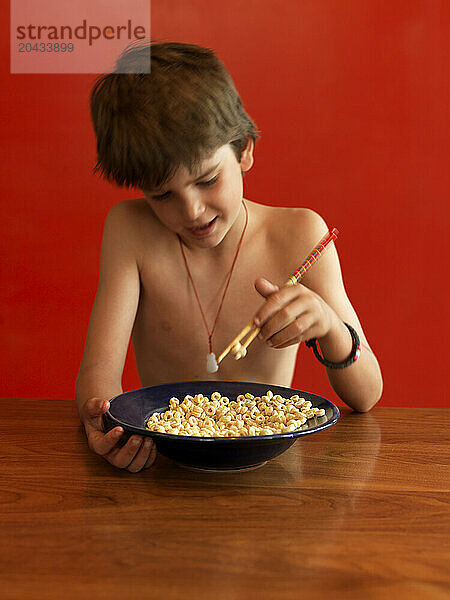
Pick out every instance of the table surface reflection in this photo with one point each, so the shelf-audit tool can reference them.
(357, 511)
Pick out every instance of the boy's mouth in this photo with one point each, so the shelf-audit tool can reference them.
(204, 229)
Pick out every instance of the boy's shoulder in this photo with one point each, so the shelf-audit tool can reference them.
(290, 233)
(133, 223)
(130, 209)
(292, 225)
(135, 217)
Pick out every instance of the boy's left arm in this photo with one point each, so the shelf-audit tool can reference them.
(318, 308)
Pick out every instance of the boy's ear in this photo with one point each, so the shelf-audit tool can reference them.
(247, 156)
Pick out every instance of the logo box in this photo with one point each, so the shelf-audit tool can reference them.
(77, 36)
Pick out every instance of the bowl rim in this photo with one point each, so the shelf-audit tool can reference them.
(203, 439)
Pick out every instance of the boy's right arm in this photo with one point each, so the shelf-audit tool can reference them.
(110, 325)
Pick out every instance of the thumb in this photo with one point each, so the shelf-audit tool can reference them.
(265, 287)
(95, 407)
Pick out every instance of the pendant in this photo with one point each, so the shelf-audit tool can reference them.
(211, 363)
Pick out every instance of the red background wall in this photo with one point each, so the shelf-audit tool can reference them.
(353, 102)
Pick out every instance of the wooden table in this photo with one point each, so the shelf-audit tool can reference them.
(357, 511)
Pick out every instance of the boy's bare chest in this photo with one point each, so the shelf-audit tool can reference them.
(176, 315)
(170, 335)
(179, 308)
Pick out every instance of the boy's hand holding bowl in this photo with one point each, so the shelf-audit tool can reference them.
(136, 454)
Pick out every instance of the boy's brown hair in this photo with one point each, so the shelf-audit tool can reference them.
(150, 124)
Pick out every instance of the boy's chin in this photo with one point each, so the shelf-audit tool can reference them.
(207, 243)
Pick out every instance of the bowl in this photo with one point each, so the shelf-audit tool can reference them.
(132, 409)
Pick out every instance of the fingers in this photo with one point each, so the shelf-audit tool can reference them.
(265, 288)
(291, 315)
(134, 455)
(91, 416)
(93, 409)
(296, 332)
(277, 301)
(142, 457)
(137, 453)
(151, 459)
(294, 312)
(103, 443)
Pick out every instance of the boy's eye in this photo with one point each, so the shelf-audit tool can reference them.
(210, 181)
(202, 183)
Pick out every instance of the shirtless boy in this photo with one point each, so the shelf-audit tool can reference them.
(181, 135)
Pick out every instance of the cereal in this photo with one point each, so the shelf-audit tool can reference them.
(246, 416)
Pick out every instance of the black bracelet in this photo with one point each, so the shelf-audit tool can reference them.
(354, 354)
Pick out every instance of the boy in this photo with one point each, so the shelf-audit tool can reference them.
(186, 266)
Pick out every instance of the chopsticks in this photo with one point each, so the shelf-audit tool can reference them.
(239, 347)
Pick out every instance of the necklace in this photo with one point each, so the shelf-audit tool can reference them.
(211, 362)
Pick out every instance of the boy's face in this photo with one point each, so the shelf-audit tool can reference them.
(203, 207)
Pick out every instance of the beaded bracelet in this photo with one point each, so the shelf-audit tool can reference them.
(354, 354)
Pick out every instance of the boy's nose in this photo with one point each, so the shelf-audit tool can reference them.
(192, 209)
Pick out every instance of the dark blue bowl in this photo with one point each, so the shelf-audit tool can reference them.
(132, 409)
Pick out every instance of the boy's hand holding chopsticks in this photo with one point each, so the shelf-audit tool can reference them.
(290, 315)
